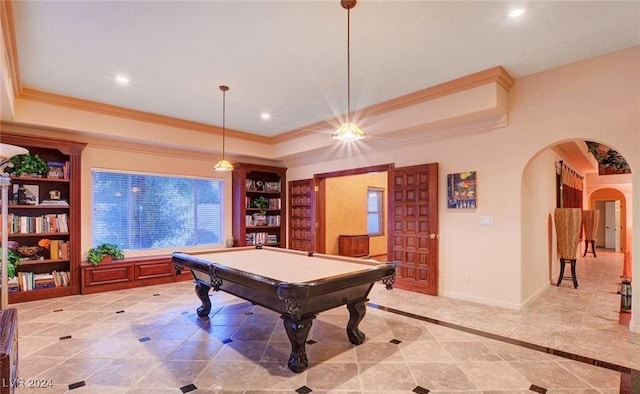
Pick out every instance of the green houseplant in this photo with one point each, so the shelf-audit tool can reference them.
(262, 204)
(27, 164)
(13, 259)
(260, 217)
(95, 255)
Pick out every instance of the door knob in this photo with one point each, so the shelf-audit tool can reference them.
(433, 236)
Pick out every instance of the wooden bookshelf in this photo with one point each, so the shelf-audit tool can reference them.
(35, 219)
(249, 182)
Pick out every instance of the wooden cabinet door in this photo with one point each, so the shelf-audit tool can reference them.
(301, 215)
(413, 243)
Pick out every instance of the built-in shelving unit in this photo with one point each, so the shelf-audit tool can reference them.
(44, 219)
(250, 183)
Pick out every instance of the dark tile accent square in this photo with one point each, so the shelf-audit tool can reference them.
(76, 385)
(396, 341)
(58, 310)
(157, 294)
(248, 313)
(119, 311)
(188, 388)
(420, 390)
(185, 313)
(303, 390)
(227, 340)
(537, 389)
(144, 339)
(310, 342)
(65, 337)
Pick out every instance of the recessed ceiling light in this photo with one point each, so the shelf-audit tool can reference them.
(516, 12)
(265, 116)
(122, 80)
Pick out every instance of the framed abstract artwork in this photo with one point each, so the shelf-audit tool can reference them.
(461, 190)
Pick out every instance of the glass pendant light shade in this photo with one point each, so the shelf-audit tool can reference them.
(223, 165)
(348, 132)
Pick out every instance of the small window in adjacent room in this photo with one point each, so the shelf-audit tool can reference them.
(142, 211)
(374, 211)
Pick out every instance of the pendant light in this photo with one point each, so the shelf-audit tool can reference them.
(348, 131)
(223, 165)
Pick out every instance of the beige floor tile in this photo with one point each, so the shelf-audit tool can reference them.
(436, 349)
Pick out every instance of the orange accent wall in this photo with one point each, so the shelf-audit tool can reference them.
(346, 210)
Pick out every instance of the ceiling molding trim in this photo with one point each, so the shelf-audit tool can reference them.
(496, 75)
(141, 116)
(9, 37)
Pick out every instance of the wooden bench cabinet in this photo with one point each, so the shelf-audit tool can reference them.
(353, 245)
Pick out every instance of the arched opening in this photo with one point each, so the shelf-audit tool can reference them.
(540, 263)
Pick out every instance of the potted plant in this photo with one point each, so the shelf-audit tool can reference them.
(27, 164)
(103, 253)
(13, 259)
(260, 217)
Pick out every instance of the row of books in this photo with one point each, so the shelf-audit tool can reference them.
(274, 203)
(43, 224)
(261, 239)
(262, 186)
(58, 249)
(271, 220)
(26, 281)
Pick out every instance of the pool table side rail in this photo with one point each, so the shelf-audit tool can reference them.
(297, 300)
(191, 261)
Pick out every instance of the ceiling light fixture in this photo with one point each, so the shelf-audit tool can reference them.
(122, 80)
(348, 131)
(223, 165)
(516, 12)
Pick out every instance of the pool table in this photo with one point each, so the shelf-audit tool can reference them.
(296, 284)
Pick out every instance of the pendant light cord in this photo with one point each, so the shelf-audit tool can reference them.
(348, 66)
(224, 111)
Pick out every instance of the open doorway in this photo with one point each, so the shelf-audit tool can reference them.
(412, 221)
(612, 228)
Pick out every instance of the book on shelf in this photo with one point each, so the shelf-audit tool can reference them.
(27, 281)
(55, 203)
(49, 223)
(253, 185)
(261, 239)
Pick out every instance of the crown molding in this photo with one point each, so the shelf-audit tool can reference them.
(497, 75)
(141, 116)
(9, 37)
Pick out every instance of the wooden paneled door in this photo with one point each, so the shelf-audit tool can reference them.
(301, 215)
(413, 227)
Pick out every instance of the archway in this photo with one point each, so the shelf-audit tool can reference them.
(540, 266)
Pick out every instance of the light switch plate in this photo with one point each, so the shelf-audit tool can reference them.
(486, 220)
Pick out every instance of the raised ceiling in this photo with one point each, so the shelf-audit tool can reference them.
(288, 58)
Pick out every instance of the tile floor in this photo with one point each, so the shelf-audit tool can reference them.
(149, 340)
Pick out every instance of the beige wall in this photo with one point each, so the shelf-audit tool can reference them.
(346, 210)
(499, 265)
(596, 100)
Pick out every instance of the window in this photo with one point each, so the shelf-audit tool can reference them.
(142, 211)
(374, 211)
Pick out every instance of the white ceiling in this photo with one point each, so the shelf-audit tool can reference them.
(288, 58)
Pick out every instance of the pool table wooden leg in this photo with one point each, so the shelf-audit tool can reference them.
(202, 291)
(298, 331)
(357, 311)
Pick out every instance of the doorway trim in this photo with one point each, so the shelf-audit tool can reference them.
(321, 200)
